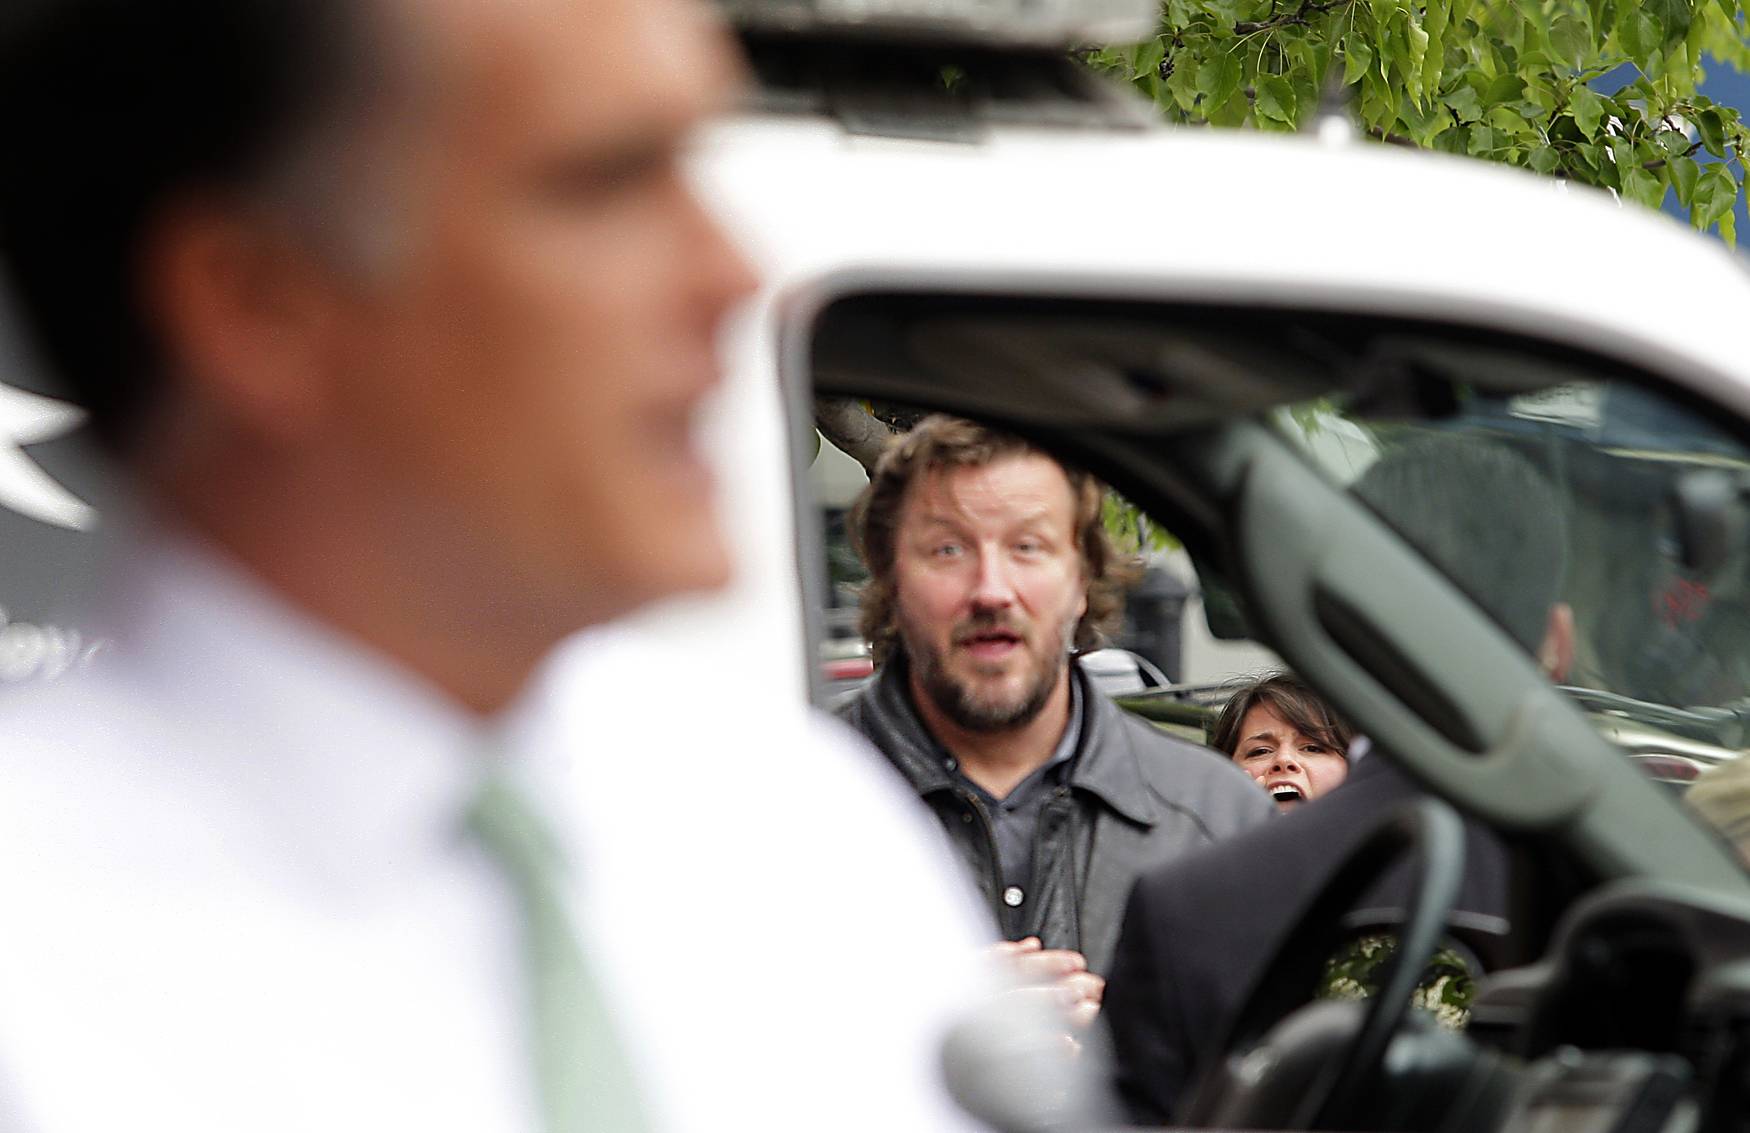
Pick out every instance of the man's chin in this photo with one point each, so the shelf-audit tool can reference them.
(701, 566)
(704, 567)
(992, 710)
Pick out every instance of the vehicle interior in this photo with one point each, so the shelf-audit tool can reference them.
(1618, 994)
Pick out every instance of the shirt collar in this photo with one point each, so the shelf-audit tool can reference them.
(1072, 733)
(1108, 767)
(1104, 760)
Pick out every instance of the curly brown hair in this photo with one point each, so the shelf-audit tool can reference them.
(1289, 697)
(940, 442)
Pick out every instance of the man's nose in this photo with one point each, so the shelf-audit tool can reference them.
(993, 589)
(725, 273)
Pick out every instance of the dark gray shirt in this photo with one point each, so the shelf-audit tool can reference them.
(1015, 817)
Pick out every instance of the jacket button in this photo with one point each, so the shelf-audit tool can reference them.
(951, 763)
(1012, 896)
(965, 816)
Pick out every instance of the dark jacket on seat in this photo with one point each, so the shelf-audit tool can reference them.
(1199, 931)
(1135, 797)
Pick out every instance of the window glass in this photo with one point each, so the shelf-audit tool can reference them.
(1598, 515)
(1601, 524)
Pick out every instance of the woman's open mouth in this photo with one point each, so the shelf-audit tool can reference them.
(1286, 793)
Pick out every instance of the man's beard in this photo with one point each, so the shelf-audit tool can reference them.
(963, 706)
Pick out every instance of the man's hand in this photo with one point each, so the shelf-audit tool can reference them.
(1060, 970)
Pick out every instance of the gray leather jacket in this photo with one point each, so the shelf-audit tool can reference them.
(1135, 797)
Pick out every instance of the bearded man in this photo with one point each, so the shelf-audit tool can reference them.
(990, 568)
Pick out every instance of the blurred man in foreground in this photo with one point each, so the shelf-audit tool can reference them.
(398, 315)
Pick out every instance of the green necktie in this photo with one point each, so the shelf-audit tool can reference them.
(581, 1070)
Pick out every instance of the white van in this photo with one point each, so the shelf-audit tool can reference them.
(1231, 328)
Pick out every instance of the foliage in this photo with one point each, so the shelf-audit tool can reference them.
(1131, 528)
(1507, 80)
(1446, 988)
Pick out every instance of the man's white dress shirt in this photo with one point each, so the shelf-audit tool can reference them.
(236, 892)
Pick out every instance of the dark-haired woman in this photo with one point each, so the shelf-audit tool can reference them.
(1285, 737)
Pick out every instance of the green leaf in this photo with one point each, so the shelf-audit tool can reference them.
(1672, 17)
(1643, 186)
(1182, 84)
(1276, 100)
(1219, 77)
(1570, 41)
(1313, 53)
(1716, 195)
(1720, 189)
(1588, 110)
(1465, 103)
(1729, 228)
(1712, 130)
(1684, 174)
(1437, 17)
(1232, 113)
(1638, 33)
(1148, 56)
(1416, 53)
(1391, 45)
(1379, 105)
(1506, 56)
(1540, 95)
(1357, 57)
(1434, 58)
(1544, 159)
(1671, 142)
(1508, 120)
(1504, 88)
(1426, 125)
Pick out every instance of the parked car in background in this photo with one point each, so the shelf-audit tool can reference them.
(1120, 672)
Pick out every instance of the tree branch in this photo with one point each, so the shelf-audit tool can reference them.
(1392, 139)
(1299, 17)
(1660, 162)
(844, 422)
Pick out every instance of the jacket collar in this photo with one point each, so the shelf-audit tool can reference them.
(1107, 766)
(1106, 763)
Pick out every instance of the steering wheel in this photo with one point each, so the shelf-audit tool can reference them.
(1431, 834)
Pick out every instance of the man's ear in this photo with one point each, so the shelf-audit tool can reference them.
(1556, 654)
(245, 316)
